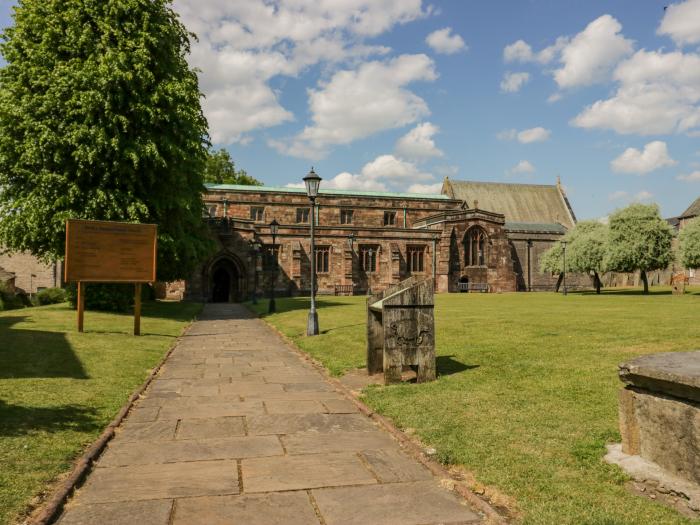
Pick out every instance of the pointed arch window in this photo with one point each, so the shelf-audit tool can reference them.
(476, 246)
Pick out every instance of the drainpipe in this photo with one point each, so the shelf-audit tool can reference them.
(404, 217)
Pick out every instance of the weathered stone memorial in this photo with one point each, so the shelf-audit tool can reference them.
(401, 330)
(660, 423)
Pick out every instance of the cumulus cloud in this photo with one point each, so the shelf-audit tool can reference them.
(512, 82)
(418, 144)
(425, 188)
(357, 103)
(526, 136)
(520, 51)
(682, 22)
(632, 160)
(690, 177)
(242, 46)
(658, 93)
(524, 166)
(640, 196)
(442, 41)
(592, 54)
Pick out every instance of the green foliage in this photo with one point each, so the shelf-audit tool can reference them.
(51, 296)
(587, 244)
(100, 118)
(109, 297)
(639, 239)
(220, 169)
(552, 260)
(689, 248)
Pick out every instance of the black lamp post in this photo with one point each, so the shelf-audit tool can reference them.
(255, 245)
(312, 182)
(563, 243)
(274, 228)
(351, 241)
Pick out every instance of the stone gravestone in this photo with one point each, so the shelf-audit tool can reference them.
(401, 330)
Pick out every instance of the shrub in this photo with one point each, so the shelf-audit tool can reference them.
(10, 300)
(108, 297)
(51, 296)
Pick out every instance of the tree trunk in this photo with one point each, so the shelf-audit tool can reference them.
(596, 281)
(643, 275)
(561, 278)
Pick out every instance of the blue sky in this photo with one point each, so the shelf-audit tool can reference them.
(397, 94)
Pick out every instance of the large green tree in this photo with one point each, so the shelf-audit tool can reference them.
(586, 248)
(220, 169)
(639, 240)
(100, 118)
(689, 244)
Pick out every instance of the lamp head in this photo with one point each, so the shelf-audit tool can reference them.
(274, 227)
(312, 183)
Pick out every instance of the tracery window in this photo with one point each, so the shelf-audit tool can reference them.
(475, 249)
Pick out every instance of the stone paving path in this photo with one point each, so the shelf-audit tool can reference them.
(238, 429)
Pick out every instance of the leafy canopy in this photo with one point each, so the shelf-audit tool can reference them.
(689, 247)
(220, 169)
(552, 261)
(587, 244)
(100, 118)
(639, 239)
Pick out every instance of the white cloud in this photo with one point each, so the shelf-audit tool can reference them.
(355, 104)
(391, 168)
(632, 160)
(690, 177)
(418, 143)
(625, 196)
(520, 51)
(526, 136)
(538, 134)
(425, 188)
(512, 82)
(682, 22)
(441, 41)
(591, 55)
(658, 93)
(524, 166)
(243, 45)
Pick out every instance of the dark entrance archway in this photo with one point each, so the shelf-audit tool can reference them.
(224, 281)
(463, 285)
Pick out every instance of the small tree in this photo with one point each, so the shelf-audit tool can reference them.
(689, 247)
(552, 261)
(639, 239)
(585, 252)
(220, 169)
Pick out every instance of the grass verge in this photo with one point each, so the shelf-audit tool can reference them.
(60, 388)
(526, 397)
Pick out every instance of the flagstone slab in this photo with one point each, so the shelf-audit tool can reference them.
(219, 427)
(340, 406)
(288, 508)
(284, 406)
(238, 408)
(155, 512)
(313, 442)
(308, 387)
(142, 414)
(393, 466)
(249, 387)
(418, 503)
(148, 431)
(292, 423)
(123, 454)
(304, 472)
(171, 480)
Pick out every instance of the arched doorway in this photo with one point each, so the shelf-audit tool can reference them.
(225, 279)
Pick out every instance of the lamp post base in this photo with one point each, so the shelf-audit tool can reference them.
(272, 308)
(312, 324)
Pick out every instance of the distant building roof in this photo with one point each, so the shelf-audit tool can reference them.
(693, 210)
(520, 203)
(532, 227)
(348, 193)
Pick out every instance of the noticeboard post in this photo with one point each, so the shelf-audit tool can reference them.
(110, 252)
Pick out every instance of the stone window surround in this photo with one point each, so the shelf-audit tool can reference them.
(323, 259)
(257, 213)
(303, 215)
(367, 265)
(346, 216)
(415, 258)
(389, 218)
(477, 237)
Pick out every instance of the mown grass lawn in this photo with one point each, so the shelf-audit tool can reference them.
(59, 389)
(526, 397)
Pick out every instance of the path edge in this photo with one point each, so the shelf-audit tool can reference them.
(51, 508)
(437, 469)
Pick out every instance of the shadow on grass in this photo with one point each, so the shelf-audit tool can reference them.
(446, 365)
(329, 330)
(288, 304)
(18, 420)
(634, 292)
(35, 353)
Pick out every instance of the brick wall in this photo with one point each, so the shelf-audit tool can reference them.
(32, 275)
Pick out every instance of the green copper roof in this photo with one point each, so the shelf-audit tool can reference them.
(535, 227)
(357, 193)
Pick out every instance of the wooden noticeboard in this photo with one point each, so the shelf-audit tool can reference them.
(110, 252)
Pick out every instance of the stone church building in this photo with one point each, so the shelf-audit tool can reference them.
(473, 236)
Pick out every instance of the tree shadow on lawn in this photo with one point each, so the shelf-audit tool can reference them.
(36, 353)
(18, 420)
(303, 303)
(446, 365)
(635, 292)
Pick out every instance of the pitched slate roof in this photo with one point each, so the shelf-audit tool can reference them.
(693, 210)
(520, 203)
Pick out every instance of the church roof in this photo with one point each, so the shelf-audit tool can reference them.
(520, 203)
(322, 191)
(693, 210)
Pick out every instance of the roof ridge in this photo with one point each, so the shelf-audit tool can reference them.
(502, 183)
